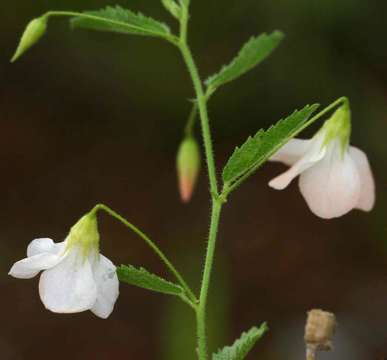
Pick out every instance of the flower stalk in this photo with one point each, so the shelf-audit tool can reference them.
(191, 296)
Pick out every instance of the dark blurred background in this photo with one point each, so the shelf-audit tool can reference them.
(91, 117)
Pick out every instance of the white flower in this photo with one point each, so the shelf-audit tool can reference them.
(334, 177)
(76, 277)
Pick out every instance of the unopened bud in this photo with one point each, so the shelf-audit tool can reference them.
(188, 166)
(33, 32)
(319, 330)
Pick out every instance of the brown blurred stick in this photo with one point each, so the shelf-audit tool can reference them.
(319, 330)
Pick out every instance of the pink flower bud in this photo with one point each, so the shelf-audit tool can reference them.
(188, 166)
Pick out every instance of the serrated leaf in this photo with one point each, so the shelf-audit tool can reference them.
(120, 20)
(252, 53)
(242, 346)
(257, 149)
(172, 7)
(144, 279)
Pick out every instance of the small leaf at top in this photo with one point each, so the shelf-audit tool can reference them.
(144, 279)
(242, 346)
(258, 149)
(252, 53)
(120, 20)
(184, 2)
(172, 7)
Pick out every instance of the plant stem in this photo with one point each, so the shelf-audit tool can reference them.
(189, 127)
(202, 308)
(201, 98)
(202, 105)
(153, 246)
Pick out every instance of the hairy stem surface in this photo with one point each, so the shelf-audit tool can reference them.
(201, 99)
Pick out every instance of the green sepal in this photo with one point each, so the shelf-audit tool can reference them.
(338, 126)
(144, 279)
(242, 346)
(84, 234)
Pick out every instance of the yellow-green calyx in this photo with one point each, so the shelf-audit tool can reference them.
(84, 234)
(338, 126)
(33, 32)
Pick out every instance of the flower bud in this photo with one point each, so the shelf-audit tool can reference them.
(85, 234)
(33, 32)
(188, 166)
(319, 330)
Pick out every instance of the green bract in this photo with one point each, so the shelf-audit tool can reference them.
(32, 34)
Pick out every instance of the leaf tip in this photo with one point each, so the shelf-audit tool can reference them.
(278, 34)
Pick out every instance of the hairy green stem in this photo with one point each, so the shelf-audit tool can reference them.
(201, 101)
(202, 308)
(189, 127)
(202, 105)
(153, 246)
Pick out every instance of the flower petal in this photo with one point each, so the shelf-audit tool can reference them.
(107, 287)
(69, 287)
(314, 154)
(292, 151)
(331, 188)
(30, 267)
(44, 245)
(367, 194)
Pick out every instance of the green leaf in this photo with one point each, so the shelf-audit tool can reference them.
(252, 53)
(120, 20)
(142, 278)
(184, 3)
(242, 346)
(172, 7)
(258, 149)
